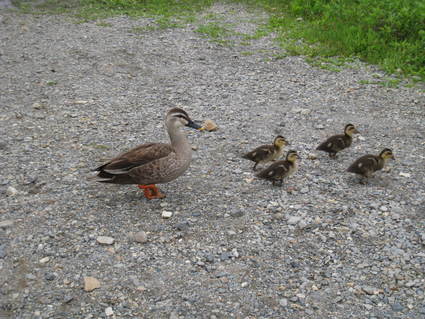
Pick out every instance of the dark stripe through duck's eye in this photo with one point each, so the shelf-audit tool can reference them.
(178, 111)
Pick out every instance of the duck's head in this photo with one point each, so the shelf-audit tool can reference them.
(280, 141)
(177, 117)
(292, 156)
(387, 154)
(350, 130)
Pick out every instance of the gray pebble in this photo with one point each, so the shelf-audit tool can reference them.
(182, 226)
(397, 307)
(283, 302)
(6, 223)
(2, 251)
(49, 276)
(140, 237)
(237, 214)
(294, 220)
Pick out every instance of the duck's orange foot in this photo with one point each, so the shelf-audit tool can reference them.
(151, 191)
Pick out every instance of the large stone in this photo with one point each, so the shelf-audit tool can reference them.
(6, 223)
(166, 214)
(294, 220)
(105, 240)
(91, 283)
(140, 237)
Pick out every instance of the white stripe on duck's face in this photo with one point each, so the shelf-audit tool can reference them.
(178, 118)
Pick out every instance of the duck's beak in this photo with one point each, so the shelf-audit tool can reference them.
(194, 125)
(356, 131)
(393, 157)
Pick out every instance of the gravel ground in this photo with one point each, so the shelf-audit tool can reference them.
(73, 95)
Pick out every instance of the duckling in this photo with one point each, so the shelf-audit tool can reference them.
(153, 163)
(337, 143)
(281, 169)
(267, 153)
(366, 165)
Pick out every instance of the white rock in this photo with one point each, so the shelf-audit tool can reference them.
(166, 214)
(105, 240)
(305, 112)
(304, 190)
(11, 191)
(6, 223)
(283, 302)
(37, 106)
(370, 290)
(294, 220)
(44, 260)
(109, 312)
(140, 237)
(404, 174)
(244, 284)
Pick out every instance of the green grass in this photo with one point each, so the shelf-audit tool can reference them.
(104, 24)
(389, 33)
(213, 30)
(386, 82)
(216, 32)
(92, 9)
(51, 83)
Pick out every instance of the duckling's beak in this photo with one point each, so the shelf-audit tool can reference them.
(194, 125)
(356, 131)
(393, 158)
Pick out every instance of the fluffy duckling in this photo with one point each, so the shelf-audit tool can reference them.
(366, 165)
(281, 169)
(337, 143)
(267, 153)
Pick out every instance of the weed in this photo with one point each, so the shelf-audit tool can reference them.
(104, 24)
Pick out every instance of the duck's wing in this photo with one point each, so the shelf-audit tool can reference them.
(334, 143)
(277, 170)
(364, 164)
(135, 157)
(260, 153)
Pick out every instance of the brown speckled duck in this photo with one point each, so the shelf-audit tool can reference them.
(337, 143)
(267, 153)
(281, 169)
(153, 163)
(366, 165)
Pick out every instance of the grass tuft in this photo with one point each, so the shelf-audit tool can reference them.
(389, 33)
